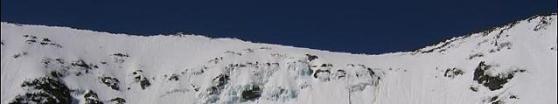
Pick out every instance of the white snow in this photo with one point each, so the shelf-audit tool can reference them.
(283, 73)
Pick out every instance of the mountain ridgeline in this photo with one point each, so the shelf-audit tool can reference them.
(510, 64)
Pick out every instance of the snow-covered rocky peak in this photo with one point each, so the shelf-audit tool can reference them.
(512, 64)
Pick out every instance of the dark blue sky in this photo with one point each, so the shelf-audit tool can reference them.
(350, 26)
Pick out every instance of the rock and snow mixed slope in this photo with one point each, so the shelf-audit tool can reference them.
(512, 64)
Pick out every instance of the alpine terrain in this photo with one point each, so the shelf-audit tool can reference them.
(510, 64)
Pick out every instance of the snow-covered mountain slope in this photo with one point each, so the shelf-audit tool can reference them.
(513, 64)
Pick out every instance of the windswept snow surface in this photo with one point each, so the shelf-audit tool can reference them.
(512, 64)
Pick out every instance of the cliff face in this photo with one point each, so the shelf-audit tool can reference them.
(515, 63)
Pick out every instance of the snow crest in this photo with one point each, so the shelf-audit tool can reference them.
(514, 64)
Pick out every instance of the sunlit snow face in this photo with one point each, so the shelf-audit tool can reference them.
(61, 65)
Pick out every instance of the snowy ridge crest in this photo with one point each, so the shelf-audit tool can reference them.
(515, 63)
